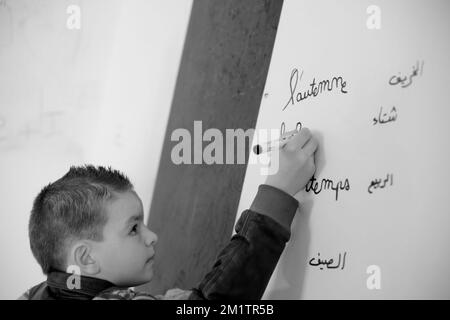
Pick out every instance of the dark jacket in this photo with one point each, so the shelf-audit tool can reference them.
(242, 269)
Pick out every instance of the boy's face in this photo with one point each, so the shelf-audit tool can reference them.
(125, 255)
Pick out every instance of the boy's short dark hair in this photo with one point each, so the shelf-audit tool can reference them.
(71, 208)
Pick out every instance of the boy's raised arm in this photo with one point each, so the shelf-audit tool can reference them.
(244, 267)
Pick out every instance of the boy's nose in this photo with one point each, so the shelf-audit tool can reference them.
(151, 238)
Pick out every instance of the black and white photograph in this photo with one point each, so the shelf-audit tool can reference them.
(224, 150)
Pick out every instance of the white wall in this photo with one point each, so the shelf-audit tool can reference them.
(99, 95)
(404, 229)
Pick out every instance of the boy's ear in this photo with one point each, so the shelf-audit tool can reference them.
(83, 258)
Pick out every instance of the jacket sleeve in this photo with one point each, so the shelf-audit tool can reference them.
(244, 267)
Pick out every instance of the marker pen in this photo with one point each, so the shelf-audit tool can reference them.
(279, 143)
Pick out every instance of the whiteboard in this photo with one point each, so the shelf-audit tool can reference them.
(387, 135)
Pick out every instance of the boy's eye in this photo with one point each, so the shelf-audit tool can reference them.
(134, 230)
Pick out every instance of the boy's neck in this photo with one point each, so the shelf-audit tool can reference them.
(76, 286)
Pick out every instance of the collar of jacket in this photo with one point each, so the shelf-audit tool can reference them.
(66, 286)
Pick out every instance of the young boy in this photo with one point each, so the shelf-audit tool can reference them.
(88, 235)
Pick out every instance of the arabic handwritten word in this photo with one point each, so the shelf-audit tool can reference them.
(407, 80)
(377, 183)
(314, 90)
(328, 263)
(326, 184)
(384, 119)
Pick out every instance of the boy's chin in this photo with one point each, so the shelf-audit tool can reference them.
(136, 283)
(143, 279)
(135, 278)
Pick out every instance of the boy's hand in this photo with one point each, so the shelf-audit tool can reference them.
(296, 163)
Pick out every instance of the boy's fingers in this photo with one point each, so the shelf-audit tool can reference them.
(299, 140)
(311, 146)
